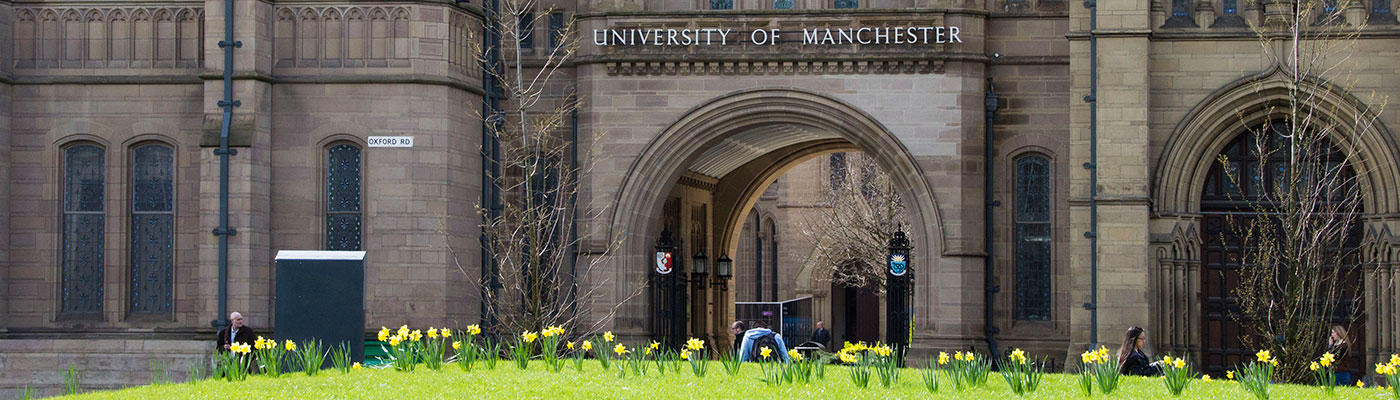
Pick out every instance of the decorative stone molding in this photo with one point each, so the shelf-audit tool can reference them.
(1380, 251)
(117, 37)
(1176, 278)
(341, 36)
(775, 67)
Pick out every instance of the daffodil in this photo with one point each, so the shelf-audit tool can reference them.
(958, 356)
(383, 334)
(685, 354)
(695, 344)
(457, 345)
(446, 333)
(355, 366)
(765, 351)
(1263, 356)
(1327, 359)
(648, 352)
(1167, 360)
(620, 349)
(1018, 355)
(291, 346)
(587, 345)
(473, 329)
(792, 353)
(655, 345)
(848, 358)
(569, 345)
(1360, 384)
(432, 333)
(1230, 375)
(529, 336)
(1273, 361)
(403, 330)
(394, 341)
(608, 336)
(1179, 364)
(416, 335)
(1395, 359)
(942, 358)
(1205, 377)
(1312, 366)
(971, 356)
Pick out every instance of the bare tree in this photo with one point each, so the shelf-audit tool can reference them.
(851, 232)
(539, 278)
(1299, 265)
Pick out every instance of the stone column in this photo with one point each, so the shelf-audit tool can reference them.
(249, 254)
(1123, 176)
(7, 44)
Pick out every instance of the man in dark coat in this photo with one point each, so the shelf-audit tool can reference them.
(235, 333)
(821, 335)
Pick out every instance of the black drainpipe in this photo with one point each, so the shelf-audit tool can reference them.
(573, 207)
(990, 286)
(1092, 166)
(228, 103)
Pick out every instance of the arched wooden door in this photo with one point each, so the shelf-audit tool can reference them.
(1229, 202)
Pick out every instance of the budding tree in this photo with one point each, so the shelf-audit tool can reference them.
(1301, 202)
(852, 228)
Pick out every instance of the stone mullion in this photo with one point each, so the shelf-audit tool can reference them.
(1193, 304)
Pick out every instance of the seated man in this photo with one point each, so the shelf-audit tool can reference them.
(757, 338)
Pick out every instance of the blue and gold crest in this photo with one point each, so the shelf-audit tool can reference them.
(898, 266)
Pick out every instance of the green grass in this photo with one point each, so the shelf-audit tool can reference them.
(508, 382)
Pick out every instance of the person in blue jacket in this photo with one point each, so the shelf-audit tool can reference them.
(759, 337)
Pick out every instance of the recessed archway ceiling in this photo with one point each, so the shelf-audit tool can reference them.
(740, 148)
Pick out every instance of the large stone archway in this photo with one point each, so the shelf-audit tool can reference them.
(665, 159)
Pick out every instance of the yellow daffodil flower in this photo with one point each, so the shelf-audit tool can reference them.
(291, 346)
(792, 353)
(587, 345)
(1230, 375)
(608, 336)
(1360, 384)
(1312, 366)
(416, 335)
(473, 329)
(655, 345)
(695, 344)
(1380, 368)
(765, 351)
(796, 357)
(1263, 356)
(1205, 377)
(383, 334)
(971, 356)
(394, 341)
(1395, 359)
(620, 349)
(1018, 355)
(529, 336)
(958, 356)
(432, 333)
(648, 352)
(1179, 364)
(1327, 359)
(685, 354)
(403, 330)
(848, 358)
(942, 358)
(355, 366)
(1167, 360)
(445, 333)
(569, 346)
(456, 345)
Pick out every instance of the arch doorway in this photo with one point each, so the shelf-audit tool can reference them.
(701, 176)
(1259, 164)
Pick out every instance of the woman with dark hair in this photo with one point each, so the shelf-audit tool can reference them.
(1131, 359)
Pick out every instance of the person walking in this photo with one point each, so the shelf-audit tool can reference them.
(822, 336)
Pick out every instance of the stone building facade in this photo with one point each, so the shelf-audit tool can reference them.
(109, 192)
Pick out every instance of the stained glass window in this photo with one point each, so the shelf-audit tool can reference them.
(1033, 238)
(343, 217)
(1181, 8)
(782, 4)
(556, 29)
(152, 229)
(84, 224)
(847, 3)
(721, 4)
(1380, 6)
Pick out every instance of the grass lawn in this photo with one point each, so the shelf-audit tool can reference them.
(507, 382)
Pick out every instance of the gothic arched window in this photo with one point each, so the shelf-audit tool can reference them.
(152, 229)
(1033, 238)
(343, 218)
(84, 224)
